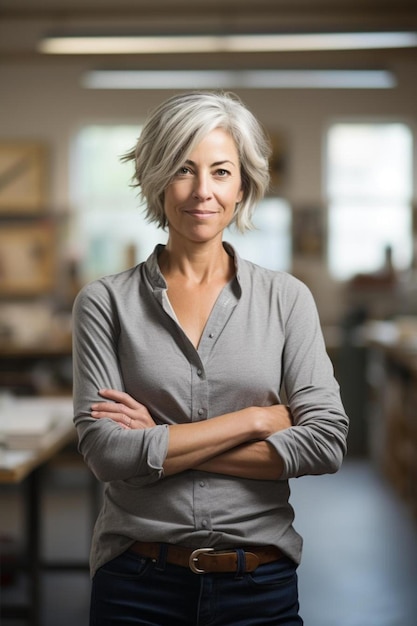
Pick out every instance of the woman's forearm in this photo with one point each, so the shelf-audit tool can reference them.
(217, 442)
(198, 442)
(257, 460)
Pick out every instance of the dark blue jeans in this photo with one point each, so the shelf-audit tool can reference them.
(131, 590)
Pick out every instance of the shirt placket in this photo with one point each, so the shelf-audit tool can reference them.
(201, 481)
(201, 398)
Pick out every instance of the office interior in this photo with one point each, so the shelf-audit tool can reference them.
(351, 239)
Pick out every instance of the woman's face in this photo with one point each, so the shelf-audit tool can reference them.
(200, 200)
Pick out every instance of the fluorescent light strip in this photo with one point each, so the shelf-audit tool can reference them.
(226, 43)
(244, 79)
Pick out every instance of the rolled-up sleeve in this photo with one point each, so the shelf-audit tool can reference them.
(111, 452)
(316, 443)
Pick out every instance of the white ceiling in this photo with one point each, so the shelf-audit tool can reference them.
(24, 22)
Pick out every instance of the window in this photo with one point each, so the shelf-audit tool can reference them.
(109, 223)
(369, 190)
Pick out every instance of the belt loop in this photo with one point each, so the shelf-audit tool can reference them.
(162, 557)
(241, 563)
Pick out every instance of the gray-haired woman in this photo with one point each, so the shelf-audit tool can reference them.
(179, 365)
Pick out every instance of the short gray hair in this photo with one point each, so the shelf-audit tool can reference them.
(179, 124)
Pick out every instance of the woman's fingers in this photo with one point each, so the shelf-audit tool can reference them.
(122, 409)
(116, 412)
(108, 407)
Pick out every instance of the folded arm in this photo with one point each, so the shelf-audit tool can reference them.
(257, 460)
(232, 444)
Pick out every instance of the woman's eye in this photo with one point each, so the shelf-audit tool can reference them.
(183, 171)
(222, 172)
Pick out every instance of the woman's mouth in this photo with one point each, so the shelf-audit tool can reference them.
(200, 214)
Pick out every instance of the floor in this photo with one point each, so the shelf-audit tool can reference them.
(359, 564)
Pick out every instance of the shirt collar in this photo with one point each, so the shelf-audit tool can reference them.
(157, 279)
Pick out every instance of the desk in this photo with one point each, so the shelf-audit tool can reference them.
(23, 466)
(15, 465)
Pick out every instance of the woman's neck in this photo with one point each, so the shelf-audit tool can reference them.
(198, 263)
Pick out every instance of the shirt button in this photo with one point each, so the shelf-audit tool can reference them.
(211, 335)
(202, 483)
(200, 411)
(199, 372)
(204, 523)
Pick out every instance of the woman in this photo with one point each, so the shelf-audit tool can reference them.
(178, 369)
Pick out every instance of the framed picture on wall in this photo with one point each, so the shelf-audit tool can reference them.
(277, 163)
(22, 178)
(27, 258)
(308, 232)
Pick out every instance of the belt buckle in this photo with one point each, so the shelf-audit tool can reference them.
(193, 560)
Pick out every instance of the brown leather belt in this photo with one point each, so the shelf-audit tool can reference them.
(208, 560)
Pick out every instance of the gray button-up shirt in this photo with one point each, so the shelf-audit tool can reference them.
(263, 336)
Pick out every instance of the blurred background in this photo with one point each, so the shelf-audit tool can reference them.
(334, 83)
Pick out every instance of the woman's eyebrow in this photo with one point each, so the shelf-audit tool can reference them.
(215, 164)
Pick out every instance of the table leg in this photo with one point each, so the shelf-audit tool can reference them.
(33, 547)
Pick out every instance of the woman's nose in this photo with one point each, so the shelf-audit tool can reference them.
(202, 189)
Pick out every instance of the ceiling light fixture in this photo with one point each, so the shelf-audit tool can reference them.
(235, 79)
(226, 43)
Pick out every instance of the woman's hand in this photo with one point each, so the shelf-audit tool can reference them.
(123, 409)
(271, 419)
